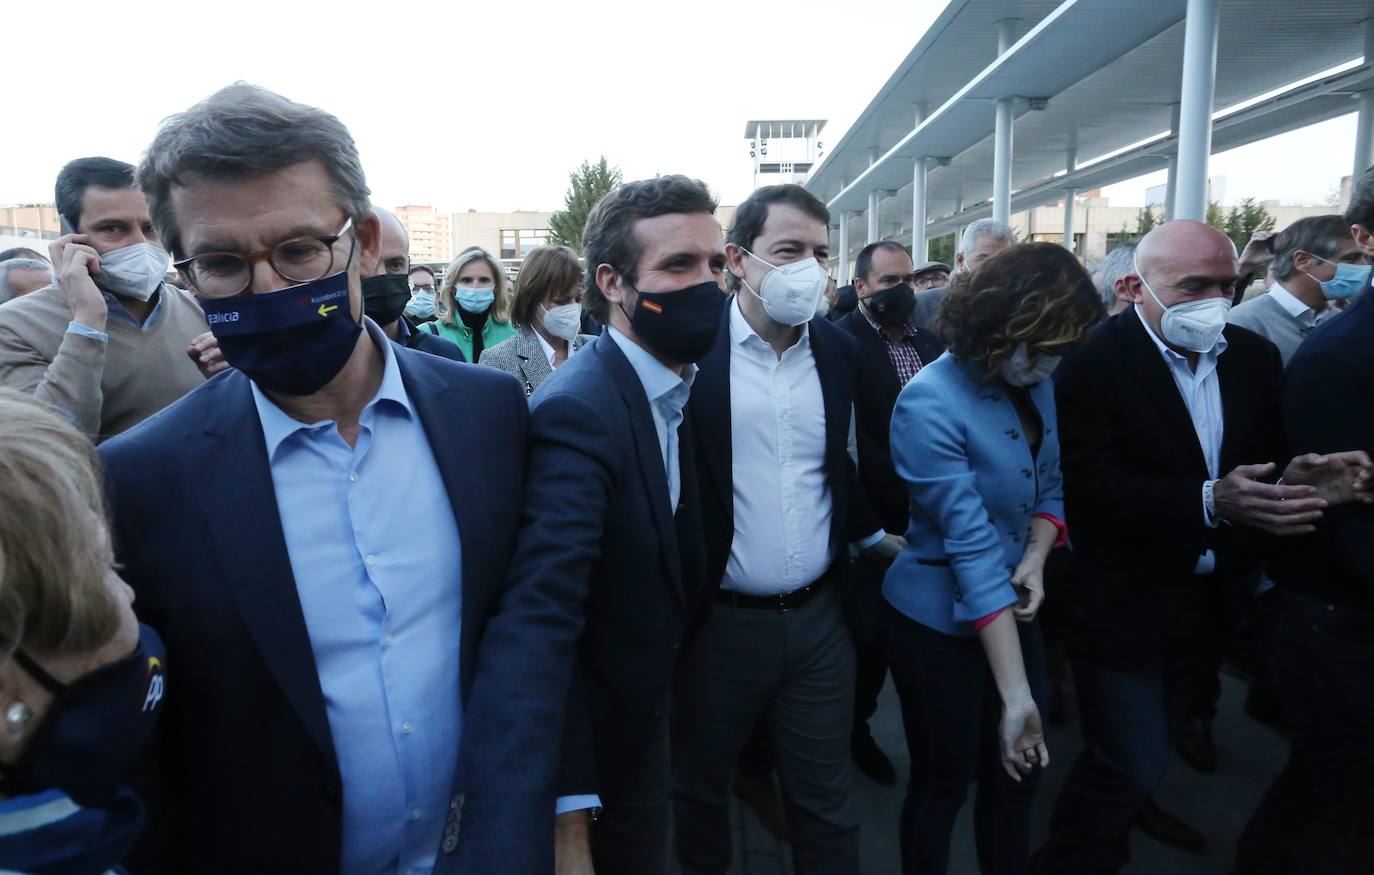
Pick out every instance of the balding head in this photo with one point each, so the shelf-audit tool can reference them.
(395, 248)
(1181, 261)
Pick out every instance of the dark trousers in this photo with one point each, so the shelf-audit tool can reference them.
(1318, 816)
(867, 613)
(951, 711)
(630, 834)
(797, 667)
(1130, 720)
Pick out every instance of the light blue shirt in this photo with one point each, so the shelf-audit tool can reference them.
(375, 553)
(668, 394)
(117, 311)
(1201, 391)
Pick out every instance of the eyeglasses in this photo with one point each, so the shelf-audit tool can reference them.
(300, 260)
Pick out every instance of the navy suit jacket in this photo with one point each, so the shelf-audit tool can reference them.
(245, 778)
(834, 352)
(608, 569)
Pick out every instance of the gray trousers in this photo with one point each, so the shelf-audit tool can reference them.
(796, 670)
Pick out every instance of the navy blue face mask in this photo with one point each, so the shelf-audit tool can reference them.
(91, 737)
(292, 341)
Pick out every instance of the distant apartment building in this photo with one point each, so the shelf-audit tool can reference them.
(430, 237)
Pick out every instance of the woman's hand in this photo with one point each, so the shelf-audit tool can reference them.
(1029, 581)
(1022, 737)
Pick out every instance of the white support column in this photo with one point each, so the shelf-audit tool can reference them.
(1364, 133)
(874, 204)
(1171, 182)
(1001, 162)
(1006, 34)
(1195, 108)
(844, 277)
(1070, 166)
(919, 250)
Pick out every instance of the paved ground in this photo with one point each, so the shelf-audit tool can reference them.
(1250, 754)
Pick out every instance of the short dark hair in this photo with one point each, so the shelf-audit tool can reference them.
(1360, 210)
(752, 214)
(546, 270)
(1033, 293)
(426, 268)
(81, 174)
(609, 234)
(864, 263)
(21, 252)
(243, 131)
(1318, 235)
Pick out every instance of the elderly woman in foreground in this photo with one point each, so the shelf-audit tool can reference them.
(81, 683)
(974, 437)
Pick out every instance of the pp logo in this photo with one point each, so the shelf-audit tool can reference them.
(157, 687)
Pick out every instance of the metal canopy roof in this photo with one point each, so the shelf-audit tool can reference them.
(783, 127)
(1111, 70)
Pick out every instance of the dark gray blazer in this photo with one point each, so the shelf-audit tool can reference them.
(523, 357)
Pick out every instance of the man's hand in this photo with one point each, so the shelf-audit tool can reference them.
(1029, 582)
(75, 263)
(1256, 252)
(572, 848)
(1339, 478)
(885, 551)
(205, 352)
(1242, 497)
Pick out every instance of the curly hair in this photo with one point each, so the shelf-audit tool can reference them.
(1032, 293)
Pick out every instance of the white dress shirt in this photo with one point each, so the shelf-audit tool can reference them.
(782, 500)
(1294, 307)
(549, 351)
(1201, 391)
(668, 394)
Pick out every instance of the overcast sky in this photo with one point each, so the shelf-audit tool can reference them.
(488, 105)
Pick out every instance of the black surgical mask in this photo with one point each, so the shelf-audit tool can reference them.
(679, 326)
(891, 307)
(90, 739)
(385, 296)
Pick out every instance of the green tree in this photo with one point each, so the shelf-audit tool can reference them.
(1145, 221)
(586, 185)
(1244, 220)
(942, 249)
(1216, 216)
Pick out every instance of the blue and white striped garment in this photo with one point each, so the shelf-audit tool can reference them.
(48, 834)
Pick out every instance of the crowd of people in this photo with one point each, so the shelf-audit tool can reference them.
(314, 561)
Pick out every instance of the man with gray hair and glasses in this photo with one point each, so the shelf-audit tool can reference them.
(1316, 263)
(309, 533)
(982, 239)
(19, 276)
(1110, 277)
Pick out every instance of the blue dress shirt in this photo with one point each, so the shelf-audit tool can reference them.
(377, 567)
(117, 311)
(668, 394)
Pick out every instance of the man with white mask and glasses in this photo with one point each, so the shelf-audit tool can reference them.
(1171, 492)
(107, 343)
(780, 505)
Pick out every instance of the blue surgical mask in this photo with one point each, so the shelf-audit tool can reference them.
(1349, 281)
(421, 306)
(476, 300)
(292, 341)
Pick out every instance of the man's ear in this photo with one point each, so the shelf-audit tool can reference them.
(368, 233)
(734, 259)
(1363, 239)
(609, 281)
(1130, 288)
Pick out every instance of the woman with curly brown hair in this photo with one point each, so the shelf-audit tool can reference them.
(974, 437)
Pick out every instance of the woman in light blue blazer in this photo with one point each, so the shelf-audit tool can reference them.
(974, 436)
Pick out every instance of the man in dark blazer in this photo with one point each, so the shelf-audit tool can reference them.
(1316, 627)
(780, 505)
(311, 535)
(1168, 488)
(888, 356)
(611, 537)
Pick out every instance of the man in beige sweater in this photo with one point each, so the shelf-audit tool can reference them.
(107, 343)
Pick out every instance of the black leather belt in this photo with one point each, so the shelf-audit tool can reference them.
(789, 601)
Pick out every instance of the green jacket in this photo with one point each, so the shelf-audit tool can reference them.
(492, 333)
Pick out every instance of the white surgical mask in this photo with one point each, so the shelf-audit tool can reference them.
(134, 271)
(1020, 371)
(562, 321)
(1194, 325)
(791, 293)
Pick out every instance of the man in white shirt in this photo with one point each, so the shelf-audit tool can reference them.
(1308, 259)
(780, 505)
